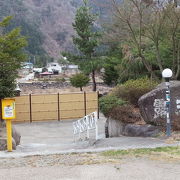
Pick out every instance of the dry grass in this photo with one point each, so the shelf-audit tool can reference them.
(160, 153)
(126, 114)
(33, 90)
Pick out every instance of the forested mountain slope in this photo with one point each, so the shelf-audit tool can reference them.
(47, 23)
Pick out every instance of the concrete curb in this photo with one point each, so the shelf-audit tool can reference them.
(16, 154)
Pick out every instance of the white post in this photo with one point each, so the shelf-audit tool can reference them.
(87, 126)
(84, 125)
(96, 125)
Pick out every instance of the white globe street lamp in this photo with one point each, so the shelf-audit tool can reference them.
(17, 90)
(65, 58)
(167, 74)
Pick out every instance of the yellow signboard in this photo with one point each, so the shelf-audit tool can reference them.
(8, 108)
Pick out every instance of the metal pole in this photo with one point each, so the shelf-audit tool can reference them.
(85, 104)
(9, 134)
(30, 108)
(98, 104)
(168, 102)
(58, 108)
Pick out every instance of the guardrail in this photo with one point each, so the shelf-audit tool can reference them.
(84, 125)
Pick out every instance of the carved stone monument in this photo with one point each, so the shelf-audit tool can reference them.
(153, 109)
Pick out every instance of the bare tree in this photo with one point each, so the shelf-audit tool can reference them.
(131, 16)
(138, 22)
(173, 34)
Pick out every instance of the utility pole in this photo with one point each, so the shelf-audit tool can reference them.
(176, 3)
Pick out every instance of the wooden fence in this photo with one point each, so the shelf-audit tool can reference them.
(45, 107)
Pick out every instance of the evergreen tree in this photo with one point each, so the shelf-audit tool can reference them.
(11, 57)
(110, 75)
(113, 59)
(86, 40)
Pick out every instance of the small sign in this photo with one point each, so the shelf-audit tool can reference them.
(8, 112)
(8, 109)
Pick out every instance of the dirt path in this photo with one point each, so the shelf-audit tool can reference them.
(87, 167)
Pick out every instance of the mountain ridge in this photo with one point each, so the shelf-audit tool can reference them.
(47, 23)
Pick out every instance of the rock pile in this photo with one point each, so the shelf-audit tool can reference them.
(3, 138)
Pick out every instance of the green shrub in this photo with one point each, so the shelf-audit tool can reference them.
(126, 114)
(60, 80)
(132, 90)
(107, 103)
(79, 80)
(45, 80)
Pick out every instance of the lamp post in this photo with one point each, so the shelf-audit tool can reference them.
(167, 74)
(17, 90)
(65, 58)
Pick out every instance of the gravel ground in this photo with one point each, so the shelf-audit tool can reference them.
(87, 167)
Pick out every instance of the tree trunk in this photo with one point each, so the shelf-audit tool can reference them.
(178, 61)
(94, 80)
(148, 67)
(81, 89)
(1, 111)
(174, 52)
(175, 3)
(158, 57)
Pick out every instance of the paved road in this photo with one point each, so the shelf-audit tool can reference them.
(125, 169)
(57, 137)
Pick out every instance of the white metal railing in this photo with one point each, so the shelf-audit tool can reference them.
(84, 125)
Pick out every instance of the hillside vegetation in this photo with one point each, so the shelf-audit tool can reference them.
(46, 23)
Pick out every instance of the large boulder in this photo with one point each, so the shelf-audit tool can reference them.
(16, 136)
(152, 105)
(145, 130)
(116, 129)
(3, 144)
(3, 137)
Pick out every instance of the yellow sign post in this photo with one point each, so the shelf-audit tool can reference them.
(8, 113)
